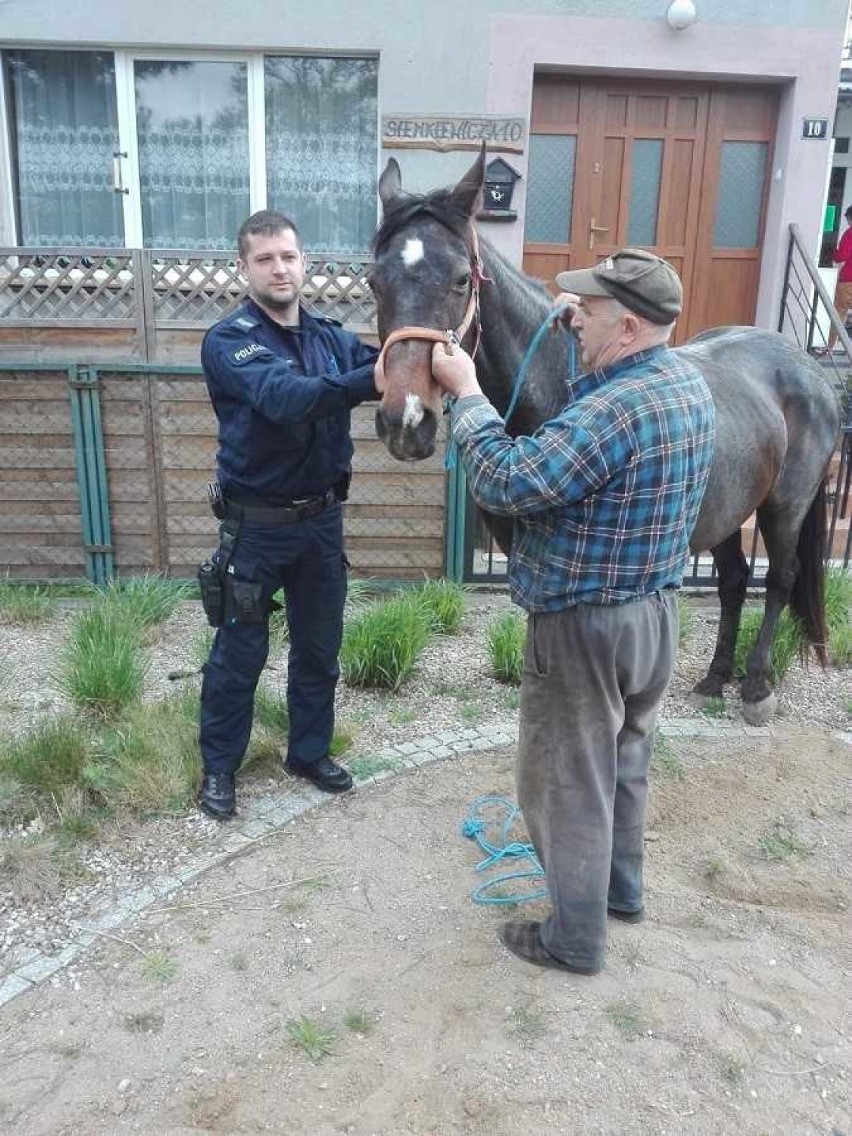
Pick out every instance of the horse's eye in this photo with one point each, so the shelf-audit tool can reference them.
(462, 282)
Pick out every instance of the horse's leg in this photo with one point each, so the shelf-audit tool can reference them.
(780, 531)
(733, 579)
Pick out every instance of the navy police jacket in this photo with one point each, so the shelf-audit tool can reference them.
(283, 397)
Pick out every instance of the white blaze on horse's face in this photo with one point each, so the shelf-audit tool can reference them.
(412, 253)
(412, 416)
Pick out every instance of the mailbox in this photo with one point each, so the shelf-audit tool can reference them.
(500, 181)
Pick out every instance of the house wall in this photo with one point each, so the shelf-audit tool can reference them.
(480, 57)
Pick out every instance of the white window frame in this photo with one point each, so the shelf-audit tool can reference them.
(127, 132)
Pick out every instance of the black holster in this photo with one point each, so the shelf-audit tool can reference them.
(212, 590)
(213, 578)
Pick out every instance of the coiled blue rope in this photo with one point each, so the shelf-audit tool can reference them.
(476, 826)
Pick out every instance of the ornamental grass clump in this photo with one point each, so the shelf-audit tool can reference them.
(148, 762)
(506, 636)
(838, 599)
(25, 604)
(786, 645)
(49, 758)
(382, 643)
(103, 666)
(443, 602)
(146, 600)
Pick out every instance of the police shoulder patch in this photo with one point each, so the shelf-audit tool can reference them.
(243, 321)
(248, 351)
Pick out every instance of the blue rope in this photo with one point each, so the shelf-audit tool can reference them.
(475, 826)
(451, 456)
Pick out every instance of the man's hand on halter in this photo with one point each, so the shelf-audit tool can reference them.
(454, 370)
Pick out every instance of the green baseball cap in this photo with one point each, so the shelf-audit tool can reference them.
(644, 283)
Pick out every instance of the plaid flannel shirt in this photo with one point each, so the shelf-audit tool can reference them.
(605, 495)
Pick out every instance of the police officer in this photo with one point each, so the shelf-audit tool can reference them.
(282, 382)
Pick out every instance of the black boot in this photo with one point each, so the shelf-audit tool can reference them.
(218, 796)
(325, 774)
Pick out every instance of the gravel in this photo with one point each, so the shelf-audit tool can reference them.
(450, 688)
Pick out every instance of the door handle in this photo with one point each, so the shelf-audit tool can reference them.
(117, 173)
(593, 228)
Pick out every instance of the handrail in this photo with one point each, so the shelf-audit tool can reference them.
(828, 303)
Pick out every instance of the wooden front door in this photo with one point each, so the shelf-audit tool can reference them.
(681, 169)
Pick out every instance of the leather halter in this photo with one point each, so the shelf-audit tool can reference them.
(449, 337)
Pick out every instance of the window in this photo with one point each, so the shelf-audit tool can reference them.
(64, 133)
(550, 188)
(321, 145)
(741, 180)
(166, 152)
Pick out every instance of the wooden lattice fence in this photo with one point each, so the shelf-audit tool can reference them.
(103, 471)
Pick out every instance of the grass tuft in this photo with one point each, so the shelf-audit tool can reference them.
(506, 636)
(159, 965)
(102, 668)
(359, 1021)
(627, 1018)
(838, 600)
(665, 758)
(444, 603)
(50, 757)
(147, 600)
(149, 760)
(786, 645)
(382, 643)
(781, 843)
(315, 1041)
(29, 868)
(25, 605)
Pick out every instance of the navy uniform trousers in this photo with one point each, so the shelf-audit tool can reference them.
(306, 559)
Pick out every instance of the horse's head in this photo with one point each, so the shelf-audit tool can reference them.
(425, 279)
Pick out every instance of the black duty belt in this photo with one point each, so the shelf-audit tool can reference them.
(296, 510)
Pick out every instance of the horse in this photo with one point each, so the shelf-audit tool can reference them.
(777, 416)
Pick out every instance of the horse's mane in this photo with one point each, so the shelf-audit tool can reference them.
(439, 205)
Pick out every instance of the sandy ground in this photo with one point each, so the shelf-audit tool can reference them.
(726, 1012)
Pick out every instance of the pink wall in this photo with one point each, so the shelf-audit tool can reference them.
(803, 61)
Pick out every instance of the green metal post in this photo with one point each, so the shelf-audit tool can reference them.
(90, 460)
(456, 516)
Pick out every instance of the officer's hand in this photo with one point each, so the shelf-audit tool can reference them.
(379, 375)
(453, 369)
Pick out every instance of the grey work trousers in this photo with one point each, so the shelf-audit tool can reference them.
(594, 678)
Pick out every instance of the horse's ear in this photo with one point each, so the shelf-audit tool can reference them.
(390, 183)
(468, 193)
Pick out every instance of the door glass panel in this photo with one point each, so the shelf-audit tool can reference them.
(192, 128)
(322, 147)
(645, 191)
(64, 133)
(738, 206)
(550, 189)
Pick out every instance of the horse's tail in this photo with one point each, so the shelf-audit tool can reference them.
(807, 598)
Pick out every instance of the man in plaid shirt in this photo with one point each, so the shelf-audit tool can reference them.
(604, 497)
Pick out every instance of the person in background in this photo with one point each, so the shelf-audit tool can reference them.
(843, 290)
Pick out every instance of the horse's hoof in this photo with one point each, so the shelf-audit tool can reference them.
(760, 713)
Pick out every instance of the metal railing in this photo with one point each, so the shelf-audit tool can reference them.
(807, 310)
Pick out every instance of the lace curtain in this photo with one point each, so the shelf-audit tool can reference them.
(321, 146)
(65, 132)
(192, 128)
